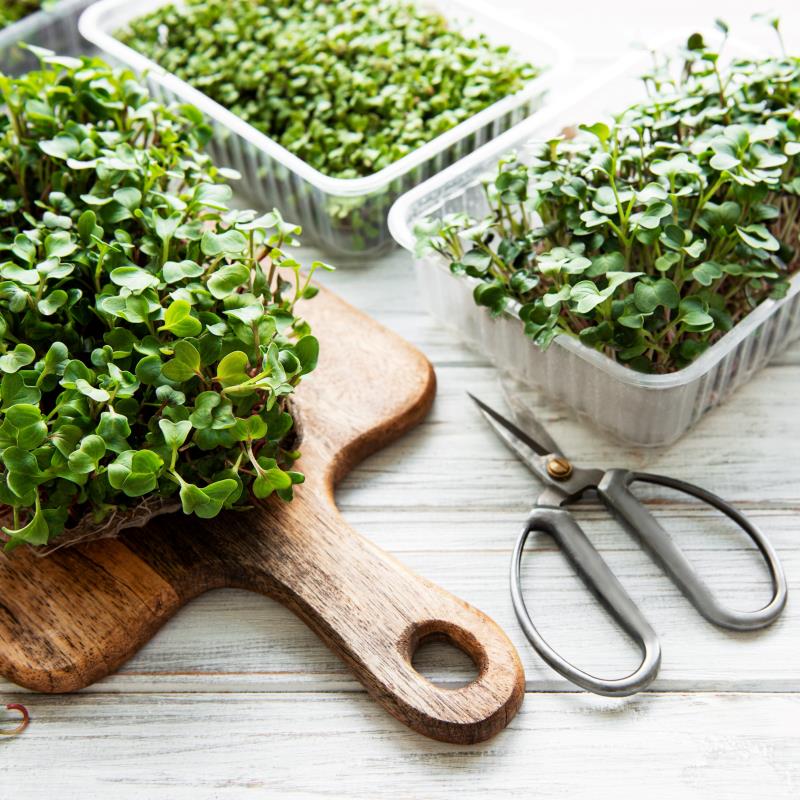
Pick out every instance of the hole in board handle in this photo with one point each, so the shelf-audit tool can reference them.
(446, 655)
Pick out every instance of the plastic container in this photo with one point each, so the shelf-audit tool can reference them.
(55, 28)
(345, 215)
(646, 410)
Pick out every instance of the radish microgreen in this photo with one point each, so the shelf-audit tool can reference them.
(651, 236)
(148, 333)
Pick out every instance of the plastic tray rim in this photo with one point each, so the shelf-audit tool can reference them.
(18, 30)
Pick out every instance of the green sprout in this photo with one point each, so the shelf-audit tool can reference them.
(148, 334)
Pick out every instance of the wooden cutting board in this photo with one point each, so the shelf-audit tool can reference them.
(74, 617)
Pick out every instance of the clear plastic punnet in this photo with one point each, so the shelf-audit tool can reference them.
(646, 410)
(344, 215)
(54, 28)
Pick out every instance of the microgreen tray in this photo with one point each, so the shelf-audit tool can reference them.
(55, 28)
(643, 409)
(344, 215)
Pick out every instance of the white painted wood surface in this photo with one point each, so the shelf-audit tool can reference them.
(235, 698)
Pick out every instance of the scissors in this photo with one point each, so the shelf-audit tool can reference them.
(565, 483)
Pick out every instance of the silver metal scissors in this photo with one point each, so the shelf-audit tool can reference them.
(565, 483)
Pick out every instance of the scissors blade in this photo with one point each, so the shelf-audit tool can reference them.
(527, 448)
(537, 432)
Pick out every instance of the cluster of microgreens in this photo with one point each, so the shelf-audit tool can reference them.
(651, 237)
(13, 10)
(147, 330)
(349, 86)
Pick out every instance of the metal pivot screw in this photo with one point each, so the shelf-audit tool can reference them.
(559, 468)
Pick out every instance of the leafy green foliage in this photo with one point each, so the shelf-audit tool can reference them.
(651, 237)
(348, 86)
(13, 10)
(148, 339)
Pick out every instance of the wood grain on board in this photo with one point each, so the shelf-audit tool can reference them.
(74, 617)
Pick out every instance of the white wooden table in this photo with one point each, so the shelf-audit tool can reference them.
(235, 698)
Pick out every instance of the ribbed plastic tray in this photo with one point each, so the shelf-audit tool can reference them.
(56, 29)
(646, 410)
(344, 215)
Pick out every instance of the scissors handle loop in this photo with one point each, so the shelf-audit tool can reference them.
(615, 492)
(597, 575)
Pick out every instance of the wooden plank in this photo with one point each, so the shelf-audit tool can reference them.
(693, 746)
(244, 642)
(733, 451)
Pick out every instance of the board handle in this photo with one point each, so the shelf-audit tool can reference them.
(375, 613)
(465, 714)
